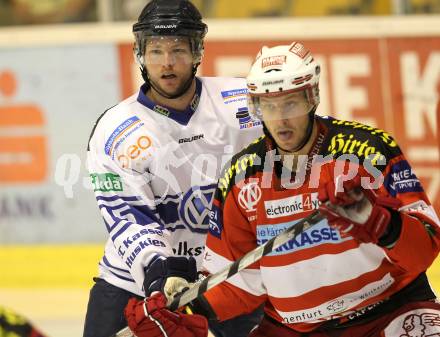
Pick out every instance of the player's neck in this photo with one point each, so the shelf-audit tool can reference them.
(294, 156)
(179, 103)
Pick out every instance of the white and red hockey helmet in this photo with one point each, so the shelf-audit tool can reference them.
(283, 70)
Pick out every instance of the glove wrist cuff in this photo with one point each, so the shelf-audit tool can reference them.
(392, 234)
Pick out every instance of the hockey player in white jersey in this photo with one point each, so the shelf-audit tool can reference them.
(154, 160)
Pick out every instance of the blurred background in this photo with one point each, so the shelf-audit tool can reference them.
(63, 62)
(24, 12)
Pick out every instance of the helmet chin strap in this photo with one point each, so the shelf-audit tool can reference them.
(307, 137)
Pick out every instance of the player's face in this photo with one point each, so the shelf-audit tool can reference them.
(287, 126)
(169, 62)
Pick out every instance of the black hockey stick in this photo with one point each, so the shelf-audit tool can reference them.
(243, 262)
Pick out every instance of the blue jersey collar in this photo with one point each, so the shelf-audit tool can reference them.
(181, 117)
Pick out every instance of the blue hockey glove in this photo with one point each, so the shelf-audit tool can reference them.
(170, 276)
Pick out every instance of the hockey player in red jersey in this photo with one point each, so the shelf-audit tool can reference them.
(359, 272)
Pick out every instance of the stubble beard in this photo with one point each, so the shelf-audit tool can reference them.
(163, 92)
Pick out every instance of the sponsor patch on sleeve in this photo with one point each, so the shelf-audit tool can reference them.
(215, 222)
(245, 120)
(421, 207)
(118, 136)
(401, 179)
(106, 182)
(234, 95)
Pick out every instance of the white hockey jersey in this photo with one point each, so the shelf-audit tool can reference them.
(154, 172)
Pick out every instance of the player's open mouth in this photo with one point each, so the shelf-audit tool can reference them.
(284, 135)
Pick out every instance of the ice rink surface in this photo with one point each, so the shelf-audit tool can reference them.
(60, 312)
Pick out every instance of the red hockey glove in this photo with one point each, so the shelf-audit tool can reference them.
(356, 211)
(150, 318)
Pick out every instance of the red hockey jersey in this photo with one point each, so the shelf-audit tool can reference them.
(322, 274)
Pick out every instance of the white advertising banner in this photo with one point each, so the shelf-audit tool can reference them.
(50, 98)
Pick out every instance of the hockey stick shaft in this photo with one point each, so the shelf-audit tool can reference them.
(243, 262)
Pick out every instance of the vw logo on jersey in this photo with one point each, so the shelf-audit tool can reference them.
(249, 196)
(195, 206)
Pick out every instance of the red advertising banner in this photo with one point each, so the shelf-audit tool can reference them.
(391, 83)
